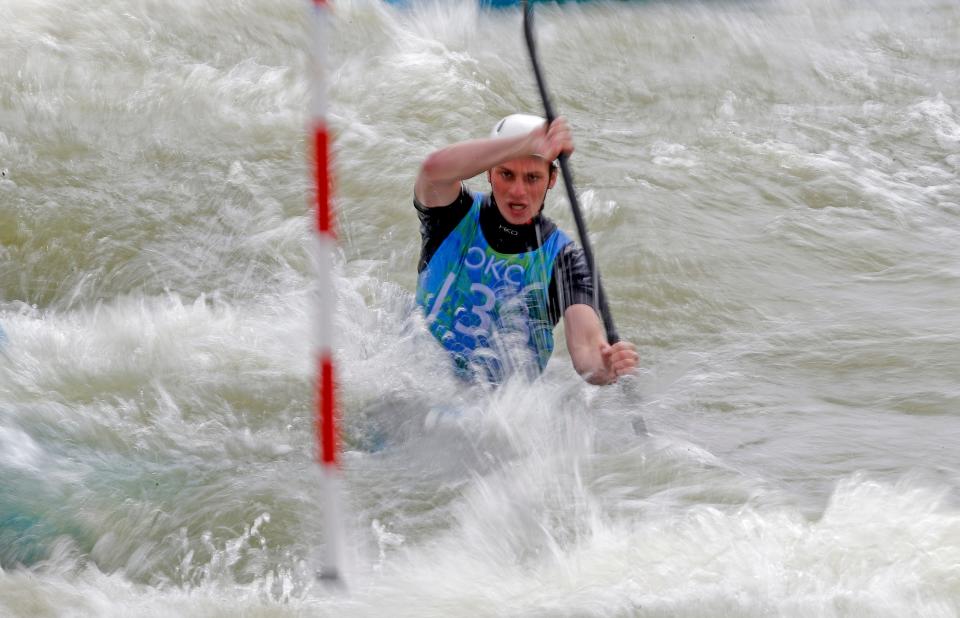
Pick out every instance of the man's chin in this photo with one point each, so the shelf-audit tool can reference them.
(519, 218)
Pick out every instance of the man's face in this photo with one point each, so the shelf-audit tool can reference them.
(520, 186)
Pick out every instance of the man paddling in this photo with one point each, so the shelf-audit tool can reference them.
(496, 275)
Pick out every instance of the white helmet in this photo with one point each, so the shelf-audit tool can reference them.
(518, 124)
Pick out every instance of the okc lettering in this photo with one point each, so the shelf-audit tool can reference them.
(499, 269)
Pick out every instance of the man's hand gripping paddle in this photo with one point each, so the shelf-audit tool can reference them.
(612, 336)
(611, 330)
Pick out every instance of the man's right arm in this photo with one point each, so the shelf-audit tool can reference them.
(438, 183)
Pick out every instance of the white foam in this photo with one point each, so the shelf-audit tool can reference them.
(18, 450)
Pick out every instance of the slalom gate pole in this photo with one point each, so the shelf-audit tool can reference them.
(605, 315)
(325, 414)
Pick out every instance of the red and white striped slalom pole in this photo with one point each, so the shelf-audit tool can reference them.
(325, 420)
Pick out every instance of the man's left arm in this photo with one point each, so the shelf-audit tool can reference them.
(593, 358)
(572, 296)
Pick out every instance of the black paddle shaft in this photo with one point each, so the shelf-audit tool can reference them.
(605, 315)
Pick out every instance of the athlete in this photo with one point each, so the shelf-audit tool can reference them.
(495, 275)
